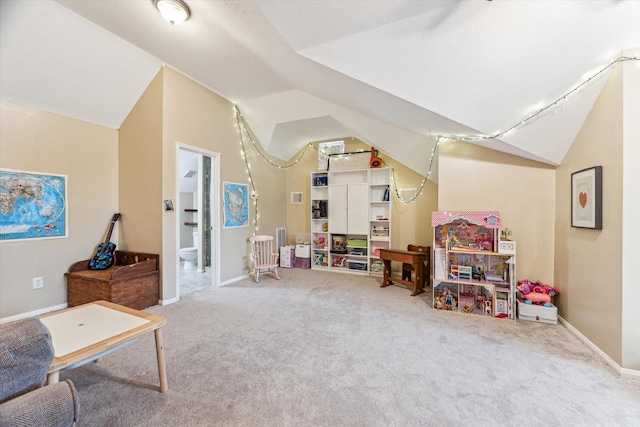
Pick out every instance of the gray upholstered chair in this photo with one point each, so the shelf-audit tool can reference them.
(26, 352)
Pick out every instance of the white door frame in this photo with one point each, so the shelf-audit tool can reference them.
(214, 212)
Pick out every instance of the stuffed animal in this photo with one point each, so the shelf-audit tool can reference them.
(525, 286)
(536, 292)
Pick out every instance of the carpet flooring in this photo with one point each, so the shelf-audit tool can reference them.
(330, 349)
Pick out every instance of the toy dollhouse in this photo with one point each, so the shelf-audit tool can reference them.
(474, 272)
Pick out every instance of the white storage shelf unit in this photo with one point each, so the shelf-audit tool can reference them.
(357, 221)
(319, 221)
(379, 216)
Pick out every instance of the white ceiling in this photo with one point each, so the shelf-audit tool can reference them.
(395, 74)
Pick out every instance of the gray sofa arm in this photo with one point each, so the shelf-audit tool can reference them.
(52, 405)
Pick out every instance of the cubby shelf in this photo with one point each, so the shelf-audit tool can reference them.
(350, 219)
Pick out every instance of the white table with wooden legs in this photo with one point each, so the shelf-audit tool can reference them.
(90, 331)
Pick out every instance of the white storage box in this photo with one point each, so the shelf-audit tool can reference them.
(303, 251)
(537, 313)
(303, 254)
(287, 256)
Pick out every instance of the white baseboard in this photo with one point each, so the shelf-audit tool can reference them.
(622, 372)
(228, 282)
(33, 313)
(234, 280)
(168, 301)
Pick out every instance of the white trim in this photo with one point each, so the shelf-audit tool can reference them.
(622, 372)
(33, 313)
(168, 301)
(234, 280)
(215, 215)
(630, 373)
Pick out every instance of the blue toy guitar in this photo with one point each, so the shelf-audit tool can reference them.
(104, 257)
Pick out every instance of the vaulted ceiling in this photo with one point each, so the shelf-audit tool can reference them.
(395, 74)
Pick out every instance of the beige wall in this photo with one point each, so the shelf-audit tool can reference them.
(197, 117)
(589, 262)
(298, 218)
(473, 178)
(588, 266)
(140, 173)
(411, 222)
(34, 140)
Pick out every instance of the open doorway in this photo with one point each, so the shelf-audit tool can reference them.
(197, 234)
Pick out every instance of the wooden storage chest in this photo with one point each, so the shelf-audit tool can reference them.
(133, 281)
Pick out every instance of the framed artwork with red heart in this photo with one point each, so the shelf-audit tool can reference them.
(586, 198)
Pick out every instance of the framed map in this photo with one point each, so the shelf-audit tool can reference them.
(236, 205)
(33, 205)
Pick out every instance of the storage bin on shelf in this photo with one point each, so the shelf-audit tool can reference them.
(303, 250)
(379, 231)
(357, 265)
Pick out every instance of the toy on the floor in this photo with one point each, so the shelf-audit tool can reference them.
(536, 292)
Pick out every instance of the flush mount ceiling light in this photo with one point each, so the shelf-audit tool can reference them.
(173, 11)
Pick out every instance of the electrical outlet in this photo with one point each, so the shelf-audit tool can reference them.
(38, 282)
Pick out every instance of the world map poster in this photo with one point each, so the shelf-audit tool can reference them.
(236, 205)
(32, 205)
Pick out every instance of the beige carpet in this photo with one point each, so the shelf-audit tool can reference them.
(328, 349)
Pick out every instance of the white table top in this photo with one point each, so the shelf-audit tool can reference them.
(76, 329)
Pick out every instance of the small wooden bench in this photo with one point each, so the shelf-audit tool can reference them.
(133, 281)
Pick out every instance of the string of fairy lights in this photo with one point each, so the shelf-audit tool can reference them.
(242, 129)
(240, 122)
(542, 110)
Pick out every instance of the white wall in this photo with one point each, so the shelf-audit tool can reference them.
(630, 214)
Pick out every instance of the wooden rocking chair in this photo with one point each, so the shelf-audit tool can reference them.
(263, 257)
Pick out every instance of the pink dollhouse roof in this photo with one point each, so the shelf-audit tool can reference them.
(489, 219)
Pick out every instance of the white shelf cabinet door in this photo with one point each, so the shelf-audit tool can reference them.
(348, 212)
(338, 208)
(357, 209)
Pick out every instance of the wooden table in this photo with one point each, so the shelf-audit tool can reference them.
(408, 257)
(90, 331)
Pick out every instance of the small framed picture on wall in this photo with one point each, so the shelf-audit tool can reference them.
(586, 198)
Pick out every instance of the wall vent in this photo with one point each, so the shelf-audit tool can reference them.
(281, 237)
